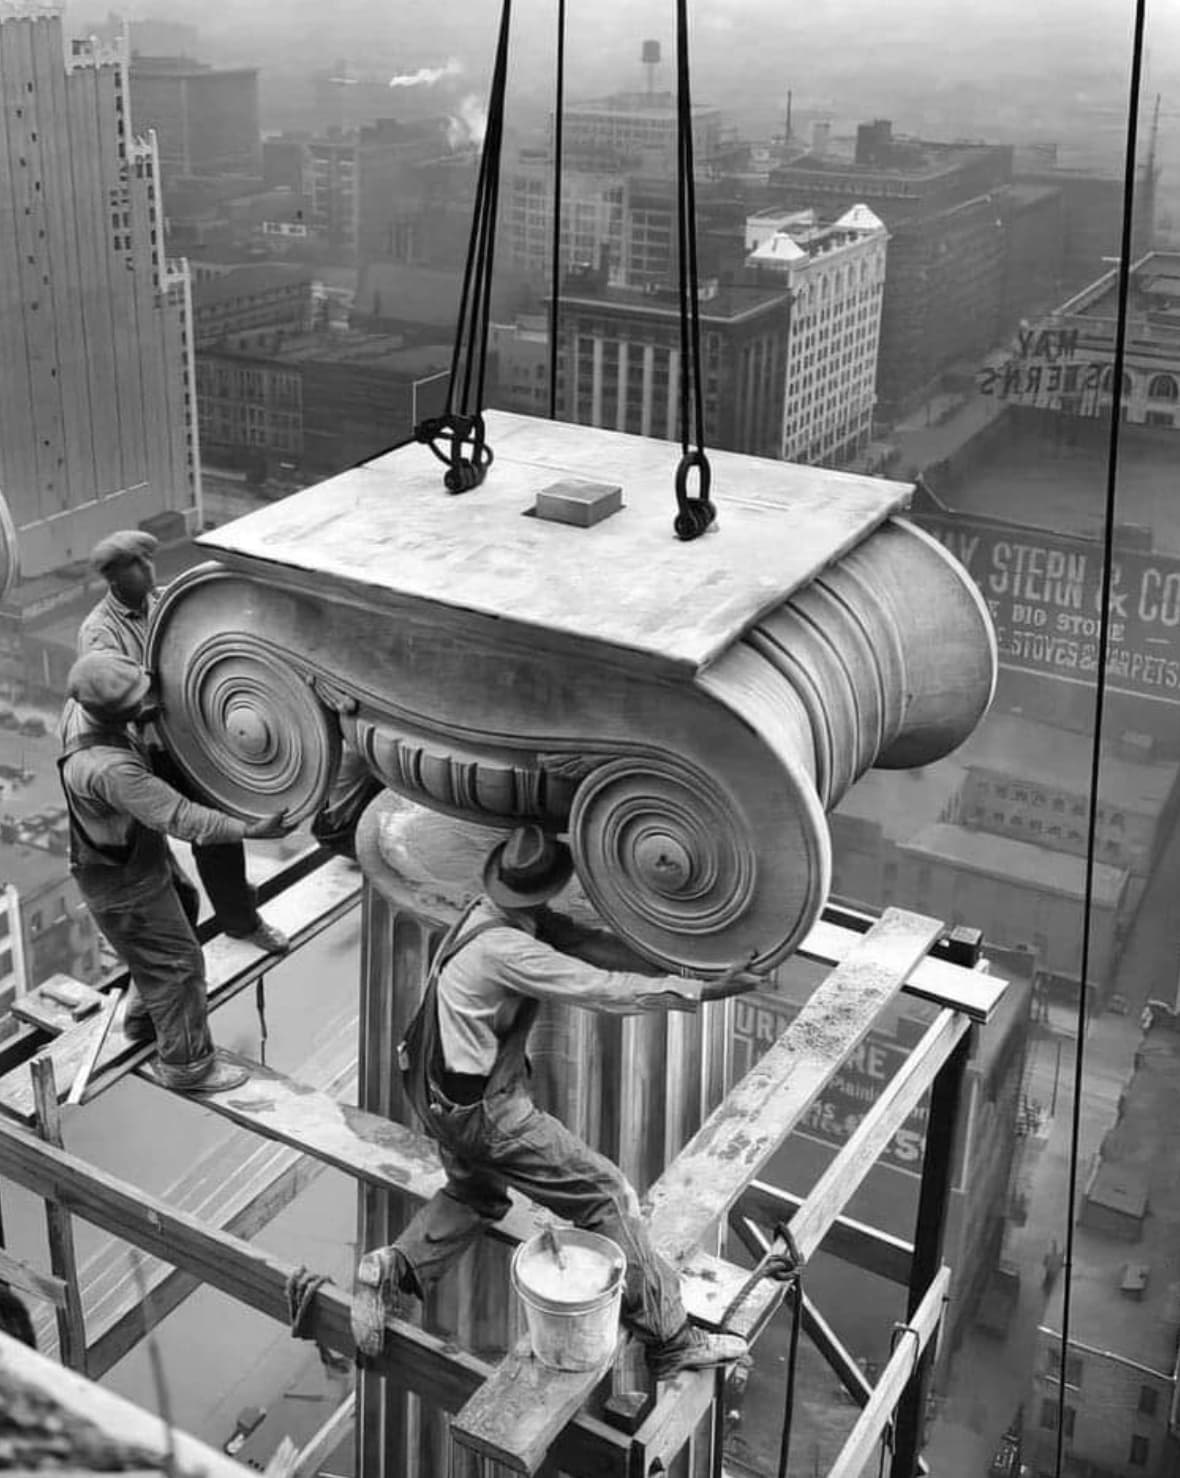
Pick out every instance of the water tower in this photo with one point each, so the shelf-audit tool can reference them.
(650, 57)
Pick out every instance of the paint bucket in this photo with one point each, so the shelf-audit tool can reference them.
(572, 1312)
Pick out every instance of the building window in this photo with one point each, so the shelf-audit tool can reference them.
(1140, 1447)
(1049, 1414)
(1163, 387)
(1148, 1400)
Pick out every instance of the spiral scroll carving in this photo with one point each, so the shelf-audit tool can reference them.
(662, 854)
(252, 732)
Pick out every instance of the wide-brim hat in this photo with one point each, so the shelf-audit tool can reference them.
(528, 868)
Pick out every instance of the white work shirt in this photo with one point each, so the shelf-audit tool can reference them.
(481, 989)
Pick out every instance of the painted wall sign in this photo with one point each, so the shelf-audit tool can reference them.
(759, 1021)
(1044, 368)
(1044, 591)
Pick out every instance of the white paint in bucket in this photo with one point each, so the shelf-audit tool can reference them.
(572, 1312)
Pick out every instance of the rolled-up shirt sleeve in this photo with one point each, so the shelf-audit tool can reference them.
(518, 962)
(129, 786)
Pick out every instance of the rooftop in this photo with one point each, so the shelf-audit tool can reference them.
(243, 281)
(731, 301)
(1051, 484)
(1055, 757)
(908, 159)
(383, 352)
(902, 802)
(620, 104)
(1020, 863)
(1139, 1150)
(1155, 293)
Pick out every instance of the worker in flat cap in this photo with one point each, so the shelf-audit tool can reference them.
(121, 815)
(465, 1066)
(119, 623)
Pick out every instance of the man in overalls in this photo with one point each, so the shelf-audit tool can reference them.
(119, 623)
(121, 815)
(467, 1075)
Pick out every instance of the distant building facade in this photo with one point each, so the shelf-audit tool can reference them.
(521, 351)
(836, 275)
(317, 405)
(1122, 1366)
(594, 204)
(626, 126)
(620, 361)
(206, 118)
(97, 420)
(1064, 362)
(950, 222)
(267, 298)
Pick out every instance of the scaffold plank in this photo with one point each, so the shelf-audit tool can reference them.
(912, 1340)
(238, 1187)
(731, 1147)
(429, 1365)
(974, 992)
(302, 911)
(26, 1279)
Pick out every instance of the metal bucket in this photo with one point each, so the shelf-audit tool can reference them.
(572, 1313)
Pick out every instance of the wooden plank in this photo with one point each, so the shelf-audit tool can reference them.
(101, 1030)
(323, 1443)
(974, 992)
(428, 1365)
(852, 1241)
(71, 1329)
(74, 1397)
(733, 1144)
(29, 1280)
(862, 1440)
(302, 912)
(238, 1187)
(501, 1421)
(900, 1097)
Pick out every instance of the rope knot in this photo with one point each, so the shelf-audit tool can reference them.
(694, 515)
(301, 1288)
(447, 436)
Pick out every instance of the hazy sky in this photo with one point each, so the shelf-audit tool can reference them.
(1034, 66)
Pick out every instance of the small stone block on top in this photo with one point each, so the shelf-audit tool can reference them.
(581, 503)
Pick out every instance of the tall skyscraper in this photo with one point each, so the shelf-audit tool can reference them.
(97, 415)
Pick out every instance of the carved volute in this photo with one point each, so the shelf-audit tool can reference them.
(686, 713)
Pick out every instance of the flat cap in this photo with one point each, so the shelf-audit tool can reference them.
(116, 549)
(107, 684)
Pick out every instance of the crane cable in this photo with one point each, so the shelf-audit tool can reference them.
(555, 269)
(458, 437)
(694, 514)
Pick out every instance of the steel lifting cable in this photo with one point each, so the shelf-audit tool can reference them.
(1104, 621)
(694, 514)
(458, 437)
(558, 149)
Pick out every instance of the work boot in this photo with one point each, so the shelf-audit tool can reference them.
(384, 1281)
(139, 1029)
(694, 1349)
(267, 938)
(221, 1077)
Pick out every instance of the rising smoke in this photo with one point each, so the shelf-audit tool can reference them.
(471, 124)
(427, 76)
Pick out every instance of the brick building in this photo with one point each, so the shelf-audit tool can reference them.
(242, 302)
(620, 360)
(205, 118)
(1121, 1370)
(953, 225)
(836, 274)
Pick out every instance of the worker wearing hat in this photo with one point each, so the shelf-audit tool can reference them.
(466, 1073)
(121, 814)
(119, 623)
